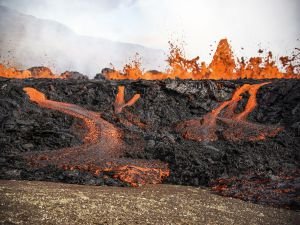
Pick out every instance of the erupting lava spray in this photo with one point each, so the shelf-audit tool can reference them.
(223, 66)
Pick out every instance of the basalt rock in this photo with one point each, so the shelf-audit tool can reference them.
(99, 76)
(150, 123)
(74, 75)
(25, 126)
(40, 71)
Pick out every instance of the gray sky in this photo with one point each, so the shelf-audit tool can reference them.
(270, 24)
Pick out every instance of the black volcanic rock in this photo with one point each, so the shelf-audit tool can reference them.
(25, 126)
(279, 103)
(104, 73)
(99, 76)
(150, 121)
(40, 71)
(74, 75)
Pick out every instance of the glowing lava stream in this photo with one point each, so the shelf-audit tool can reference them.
(102, 150)
(120, 100)
(235, 126)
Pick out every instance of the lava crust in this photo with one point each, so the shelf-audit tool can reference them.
(33, 135)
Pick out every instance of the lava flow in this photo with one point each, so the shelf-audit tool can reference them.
(103, 149)
(120, 100)
(234, 126)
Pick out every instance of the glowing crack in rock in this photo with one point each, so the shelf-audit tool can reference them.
(234, 126)
(103, 149)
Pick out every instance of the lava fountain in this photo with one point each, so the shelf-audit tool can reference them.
(223, 66)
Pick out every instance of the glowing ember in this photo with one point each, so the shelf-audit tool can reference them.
(120, 100)
(102, 151)
(236, 128)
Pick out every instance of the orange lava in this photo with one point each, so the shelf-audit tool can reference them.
(34, 95)
(40, 98)
(223, 66)
(103, 149)
(234, 126)
(36, 72)
(120, 100)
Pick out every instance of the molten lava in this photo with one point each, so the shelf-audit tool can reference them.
(223, 66)
(13, 73)
(235, 127)
(34, 72)
(120, 100)
(103, 149)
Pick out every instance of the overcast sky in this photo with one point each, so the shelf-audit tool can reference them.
(271, 24)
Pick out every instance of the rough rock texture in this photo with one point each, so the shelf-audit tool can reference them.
(53, 203)
(150, 121)
(74, 75)
(41, 71)
(262, 188)
(27, 127)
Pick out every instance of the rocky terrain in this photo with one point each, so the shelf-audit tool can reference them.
(56, 203)
(151, 123)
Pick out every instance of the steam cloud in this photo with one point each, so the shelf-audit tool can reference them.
(251, 24)
(26, 41)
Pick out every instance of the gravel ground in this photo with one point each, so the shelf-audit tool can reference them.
(28, 202)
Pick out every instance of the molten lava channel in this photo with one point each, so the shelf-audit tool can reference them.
(103, 149)
(231, 126)
(120, 100)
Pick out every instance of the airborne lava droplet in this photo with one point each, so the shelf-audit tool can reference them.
(103, 150)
